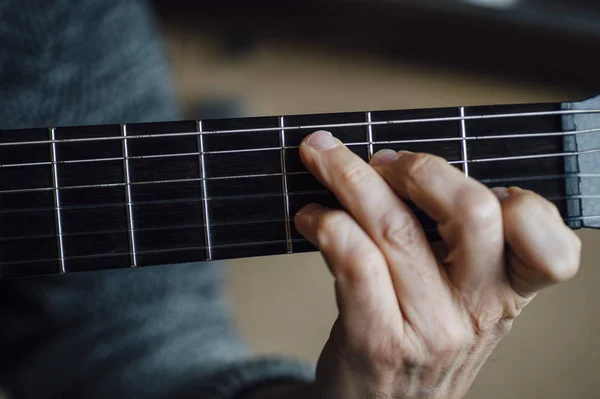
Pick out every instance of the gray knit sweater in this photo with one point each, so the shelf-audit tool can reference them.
(160, 332)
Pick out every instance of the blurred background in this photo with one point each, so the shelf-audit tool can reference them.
(233, 58)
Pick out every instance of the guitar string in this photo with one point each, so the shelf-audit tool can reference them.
(233, 245)
(349, 144)
(215, 246)
(371, 143)
(234, 197)
(305, 127)
(160, 251)
(418, 212)
(266, 175)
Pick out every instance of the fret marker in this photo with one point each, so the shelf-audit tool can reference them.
(206, 219)
(130, 224)
(463, 130)
(59, 233)
(284, 185)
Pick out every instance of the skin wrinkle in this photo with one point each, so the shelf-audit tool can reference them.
(518, 279)
(136, 92)
(411, 179)
(326, 171)
(453, 317)
(413, 229)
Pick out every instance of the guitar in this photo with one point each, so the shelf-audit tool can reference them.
(86, 198)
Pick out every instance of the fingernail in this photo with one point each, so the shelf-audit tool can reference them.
(321, 140)
(384, 157)
(501, 192)
(310, 209)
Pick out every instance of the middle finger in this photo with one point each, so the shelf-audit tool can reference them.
(468, 214)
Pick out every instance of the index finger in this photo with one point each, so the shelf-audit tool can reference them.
(417, 278)
(358, 187)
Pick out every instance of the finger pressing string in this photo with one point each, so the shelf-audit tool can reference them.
(384, 217)
(363, 284)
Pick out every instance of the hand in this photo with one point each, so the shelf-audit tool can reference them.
(416, 320)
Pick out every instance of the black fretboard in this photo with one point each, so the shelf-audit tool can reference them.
(116, 196)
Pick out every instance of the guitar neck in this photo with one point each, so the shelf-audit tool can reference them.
(117, 196)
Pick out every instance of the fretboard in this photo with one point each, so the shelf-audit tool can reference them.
(133, 195)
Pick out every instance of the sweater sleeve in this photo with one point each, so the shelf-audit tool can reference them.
(159, 332)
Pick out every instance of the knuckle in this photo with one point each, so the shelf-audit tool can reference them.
(401, 233)
(487, 316)
(504, 326)
(354, 176)
(519, 203)
(356, 263)
(357, 271)
(480, 208)
(525, 203)
(422, 164)
(562, 263)
(514, 305)
(329, 226)
(565, 266)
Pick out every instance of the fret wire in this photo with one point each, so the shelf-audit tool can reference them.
(388, 142)
(463, 131)
(284, 186)
(370, 135)
(57, 208)
(315, 127)
(204, 194)
(129, 207)
(54, 163)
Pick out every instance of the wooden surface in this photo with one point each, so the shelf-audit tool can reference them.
(285, 305)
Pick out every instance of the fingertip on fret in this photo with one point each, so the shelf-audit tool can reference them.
(321, 140)
(310, 209)
(384, 157)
